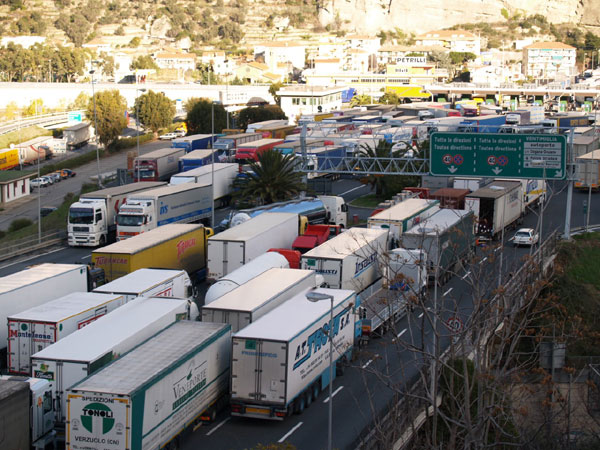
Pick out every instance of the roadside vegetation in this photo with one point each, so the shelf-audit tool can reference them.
(22, 135)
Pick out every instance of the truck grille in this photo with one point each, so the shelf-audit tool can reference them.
(80, 229)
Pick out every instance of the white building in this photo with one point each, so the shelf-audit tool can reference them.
(302, 99)
(23, 41)
(369, 44)
(326, 65)
(220, 64)
(167, 60)
(14, 184)
(357, 60)
(549, 60)
(452, 40)
(277, 54)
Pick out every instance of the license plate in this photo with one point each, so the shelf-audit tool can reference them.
(257, 410)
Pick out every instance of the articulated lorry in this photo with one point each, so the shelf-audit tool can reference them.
(404, 280)
(483, 124)
(193, 142)
(255, 298)
(250, 151)
(36, 286)
(587, 171)
(145, 211)
(150, 283)
(158, 165)
(321, 209)
(402, 216)
(77, 136)
(152, 394)
(197, 158)
(446, 239)
(291, 346)
(228, 144)
(496, 206)
(92, 220)
(350, 260)
(236, 246)
(26, 414)
(561, 123)
(87, 350)
(176, 246)
(34, 329)
(223, 174)
(243, 274)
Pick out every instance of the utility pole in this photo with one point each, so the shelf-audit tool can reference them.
(570, 166)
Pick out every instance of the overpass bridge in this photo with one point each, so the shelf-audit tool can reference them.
(43, 120)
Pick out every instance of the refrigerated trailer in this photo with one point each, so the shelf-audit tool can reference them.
(350, 260)
(157, 165)
(236, 246)
(34, 329)
(150, 283)
(223, 175)
(87, 350)
(153, 393)
(258, 296)
(291, 349)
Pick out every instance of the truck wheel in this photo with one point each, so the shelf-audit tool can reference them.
(102, 241)
(309, 397)
(299, 404)
(315, 390)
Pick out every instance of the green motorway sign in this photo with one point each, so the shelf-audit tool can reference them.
(499, 155)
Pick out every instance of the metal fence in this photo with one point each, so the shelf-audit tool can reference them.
(32, 243)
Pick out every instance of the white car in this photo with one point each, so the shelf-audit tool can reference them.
(168, 136)
(39, 182)
(526, 236)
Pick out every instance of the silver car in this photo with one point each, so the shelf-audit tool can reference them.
(526, 236)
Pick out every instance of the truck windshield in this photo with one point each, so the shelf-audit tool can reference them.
(147, 174)
(81, 215)
(130, 220)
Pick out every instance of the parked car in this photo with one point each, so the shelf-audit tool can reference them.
(168, 136)
(56, 176)
(49, 178)
(180, 133)
(68, 172)
(526, 236)
(45, 210)
(39, 182)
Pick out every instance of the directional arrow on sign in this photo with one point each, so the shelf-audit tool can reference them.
(452, 169)
(558, 174)
(496, 170)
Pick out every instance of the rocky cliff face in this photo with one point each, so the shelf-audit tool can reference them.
(363, 16)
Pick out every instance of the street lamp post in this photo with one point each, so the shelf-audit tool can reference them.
(137, 122)
(96, 127)
(317, 297)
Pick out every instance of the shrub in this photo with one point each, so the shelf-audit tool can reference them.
(18, 224)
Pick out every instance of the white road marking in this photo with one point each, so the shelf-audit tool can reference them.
(365, 365)
(483, 260)
(351, 190)
(401, 333)
(217, 427)
(420, 315)
(466, 275)
(289, 433)
(86, 257)
(334, 393)
(447, 292)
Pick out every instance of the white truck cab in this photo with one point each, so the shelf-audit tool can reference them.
(87, 223)
(135, 218)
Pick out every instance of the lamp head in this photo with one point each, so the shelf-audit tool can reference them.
(317, 296)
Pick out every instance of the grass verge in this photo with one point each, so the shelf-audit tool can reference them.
(366, 201)
(23, 135)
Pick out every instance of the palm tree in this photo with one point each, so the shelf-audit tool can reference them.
(271, 179)
(383, 149)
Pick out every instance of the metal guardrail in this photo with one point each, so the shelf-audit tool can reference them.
(32, 243)
(41, 119)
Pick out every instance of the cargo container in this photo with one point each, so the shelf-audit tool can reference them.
(77, 135)
(229, 143)
(176, 246)
(150, 283)
(224, 174)
(243, 274)
(158, 165)
(587, 171)
(36, 286)
(236, 246)
(193, 142)
(153, 393)
(518, 117)
(26, 414)
(92, 219)
(323, 159)
(483, 124)
(447, 239)
(147, 210)
(290, 347)
(584, 144)
(250, 151)
(561, 123)
(322, 209)
(11, 158)
(402, 216)
(252, 127)
(295, 147)
(275, 131)
(472, 184)
(533, 191)
(451, 198)
(496, 206)
(350, 260)
(87, 350)
(197, 158)
(255, 298)
(34, 329)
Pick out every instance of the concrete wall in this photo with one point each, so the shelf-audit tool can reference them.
(14, 190)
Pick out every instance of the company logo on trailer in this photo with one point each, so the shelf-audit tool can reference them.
(365, 263)
(182, 246)
(101, 260)
(103, 414)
